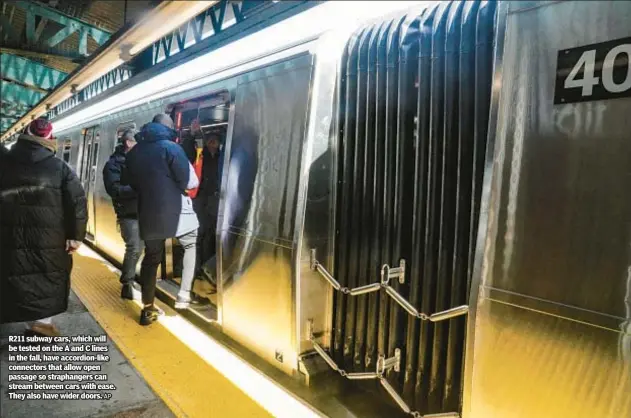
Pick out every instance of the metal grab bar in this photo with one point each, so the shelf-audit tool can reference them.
(362, 290)
(383, 364)
(388, 273)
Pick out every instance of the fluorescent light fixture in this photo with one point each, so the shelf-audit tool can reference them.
(300, 28)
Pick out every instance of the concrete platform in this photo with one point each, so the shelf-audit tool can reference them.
(133, 398)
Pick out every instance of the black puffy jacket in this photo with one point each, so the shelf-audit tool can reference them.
(207, 200)
(117, 185)
(42, 204)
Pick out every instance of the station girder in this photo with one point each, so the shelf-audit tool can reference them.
(69, 25)
(29, 73)
(15, 93)
(219, 24)
(33, 34)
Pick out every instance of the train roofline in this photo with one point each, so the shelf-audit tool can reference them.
(260, 48)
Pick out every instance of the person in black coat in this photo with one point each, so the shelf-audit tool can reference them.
(207, 200)
(125, 203)
(161, 174)
(43, 219)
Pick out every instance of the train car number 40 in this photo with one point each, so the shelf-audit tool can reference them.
(594, 72)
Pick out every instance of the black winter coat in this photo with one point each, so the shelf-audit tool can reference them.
(42, 204)
(117, 185)
(207, 200)
(159, 172)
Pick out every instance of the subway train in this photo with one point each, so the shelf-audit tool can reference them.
(426, 200)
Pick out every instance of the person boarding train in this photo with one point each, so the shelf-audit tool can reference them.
(125, 201)
(161, 174)
(206, 197)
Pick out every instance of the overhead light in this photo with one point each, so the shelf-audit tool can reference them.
(301, 27)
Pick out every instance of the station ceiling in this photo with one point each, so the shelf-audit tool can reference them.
(41, 42)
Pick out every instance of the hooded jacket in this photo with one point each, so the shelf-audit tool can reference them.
(115, 178)
(159, 172)
(42, 204)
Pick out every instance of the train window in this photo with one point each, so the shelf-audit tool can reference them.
(67, 147)
(265, 152)
(198, 118)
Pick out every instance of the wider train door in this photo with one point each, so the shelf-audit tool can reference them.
(89, 160)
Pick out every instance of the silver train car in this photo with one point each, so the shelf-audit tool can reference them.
(437, 209)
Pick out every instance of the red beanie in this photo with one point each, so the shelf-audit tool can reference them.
(40, 127)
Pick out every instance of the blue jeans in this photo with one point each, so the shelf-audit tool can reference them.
(133, 248)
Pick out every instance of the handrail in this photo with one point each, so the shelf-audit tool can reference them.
(383, 364)
(388, 273)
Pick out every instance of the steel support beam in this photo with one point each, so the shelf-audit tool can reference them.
(29, 72)
(38, 51)
(11, 118)
(14, 93)
(197, 29)
(163, 19)
(70, 26)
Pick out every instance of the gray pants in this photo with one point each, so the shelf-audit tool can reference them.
(133, 248)
(153, 256)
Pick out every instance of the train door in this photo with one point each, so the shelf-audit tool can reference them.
(89, 162)
(196, 122)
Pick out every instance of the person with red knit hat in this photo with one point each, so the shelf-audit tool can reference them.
(43, 219)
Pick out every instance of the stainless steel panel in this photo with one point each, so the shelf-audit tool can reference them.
(552, 328)
(562, 199)
(530, 364)
(483, 249)
(562, 203)
(257, 306)
(315, 227)
(258, 288)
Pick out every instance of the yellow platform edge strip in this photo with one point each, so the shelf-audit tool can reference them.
(186, 383)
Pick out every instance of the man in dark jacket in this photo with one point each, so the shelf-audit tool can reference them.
(125, 203)
(207, 200)
(161, 174)
(43, 218)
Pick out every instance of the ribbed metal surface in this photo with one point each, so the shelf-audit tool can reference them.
(414, 101)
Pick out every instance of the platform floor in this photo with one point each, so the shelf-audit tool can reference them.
(167, 369)
(133, 399)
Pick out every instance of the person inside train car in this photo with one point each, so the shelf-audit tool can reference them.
(191, 140)
(43, 220)
(125, 201)
(242, 173)
(161, 174)
(206, 202)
